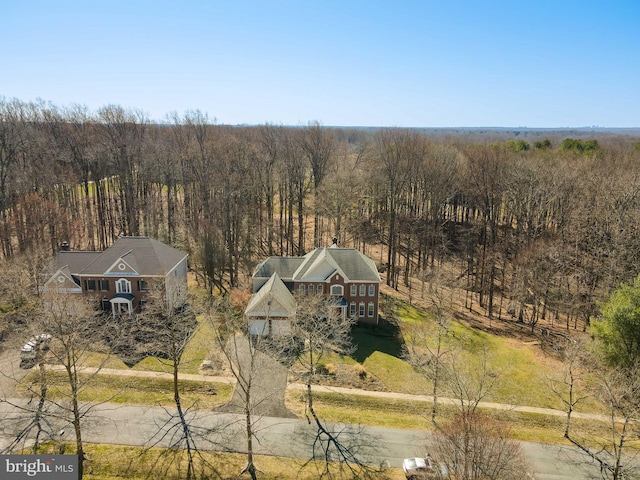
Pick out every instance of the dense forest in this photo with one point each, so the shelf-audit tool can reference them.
(529, 228)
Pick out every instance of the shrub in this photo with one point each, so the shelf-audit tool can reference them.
(360, 371)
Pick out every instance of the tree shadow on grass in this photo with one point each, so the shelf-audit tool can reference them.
(384, 337)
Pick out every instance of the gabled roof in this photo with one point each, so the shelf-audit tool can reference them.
(272, 300)
(357, 267)
(320, 264)
(317, 267)
(284, 266)
(62, 280)
(143, 255)
(351, 263)
(75, 261)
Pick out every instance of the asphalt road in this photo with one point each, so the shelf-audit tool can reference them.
(136, 425)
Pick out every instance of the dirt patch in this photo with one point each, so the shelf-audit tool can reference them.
(344, 375)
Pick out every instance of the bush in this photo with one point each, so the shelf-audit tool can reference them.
(360, 371)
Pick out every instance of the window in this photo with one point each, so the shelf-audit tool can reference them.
(352, 309)
(361, 310)
(354, 290)
(372, 290)
(302, 289)
(143, 286)
(319, 289)
(310, 289)
(103, 285)
(90, 285)
(123, 286)
(370, 310)
(337, 290)
(363, 290)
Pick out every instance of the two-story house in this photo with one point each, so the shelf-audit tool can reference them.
(119, 277)
(344, 273)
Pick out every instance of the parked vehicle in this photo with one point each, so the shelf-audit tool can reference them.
(30, 349)
(423, 468)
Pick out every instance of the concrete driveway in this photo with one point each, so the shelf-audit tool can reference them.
(10, 371)
(263, 377)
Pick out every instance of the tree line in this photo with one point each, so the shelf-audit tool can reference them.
(530, 232)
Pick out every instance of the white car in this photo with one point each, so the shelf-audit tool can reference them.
(40, 341)
(419, 468)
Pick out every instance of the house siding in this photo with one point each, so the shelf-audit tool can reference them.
(350, 268)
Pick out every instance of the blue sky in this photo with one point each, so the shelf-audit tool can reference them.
(445, 63)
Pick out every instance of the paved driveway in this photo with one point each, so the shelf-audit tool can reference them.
(10, 371)
(262, 376)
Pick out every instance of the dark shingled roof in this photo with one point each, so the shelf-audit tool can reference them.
(76, 261)
(146, 255)
(285, 267)
(356, 266)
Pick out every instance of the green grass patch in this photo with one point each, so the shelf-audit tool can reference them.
(521, 379)
(116, 462)
(197, 349)
(101, 360)
(415, 415)
(396, 374)
(334, 407)
(137, 390)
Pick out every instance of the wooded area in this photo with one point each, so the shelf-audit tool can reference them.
(529, 230)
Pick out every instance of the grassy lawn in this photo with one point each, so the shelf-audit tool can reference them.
(112, 462)
(413, 415)
(198, 348)
(521, 378)
(138, 390)
(397, 374)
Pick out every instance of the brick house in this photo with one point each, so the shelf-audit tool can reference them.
(119, 277)
(344, 273)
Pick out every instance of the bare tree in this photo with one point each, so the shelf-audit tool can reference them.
(317, 329)
(429, 354)
(470, 380)
(567, 383)
(478, 448)
(169, 323)
(260, 379)
(319, 145)
(70, 320)
(618, 389)
(123, 132)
